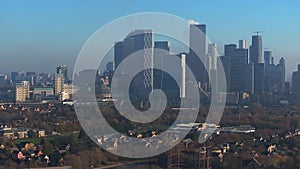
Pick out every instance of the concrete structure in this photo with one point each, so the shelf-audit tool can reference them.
(22, 91)
(198, 49)
(256, 49)
(183, 79)
(63, 69)
(274, 75)
(296, 84)
(212, 54)
(64, 96)
(243, 44)
(257, 59)
(58, 84)
(237, 61)
(138, 40)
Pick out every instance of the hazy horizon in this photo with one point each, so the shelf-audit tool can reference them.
(39, 35)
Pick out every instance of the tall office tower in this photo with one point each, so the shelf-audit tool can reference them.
(63, 69)
(268, 67)
(238, 61)
(256, 58)
(296, 84)
(13, 77)
(281, 75)
(275, 77)
(250, 78)
(138, 40)
(256, 49)
(259, 78)
(119, 55)
(243, 44)
(225, 62)
(198, 49)
(58, 84)
(161, 53)
(183, 72)
(287, 89)
(267, 57)
(22, 91)
(213, 54)
(18, 77)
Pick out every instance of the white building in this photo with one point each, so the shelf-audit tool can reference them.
(22, 91)
(212, 56)
(59, 84)
(64, 96)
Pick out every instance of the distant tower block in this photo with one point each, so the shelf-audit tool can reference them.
(243, 44)
(59, 82)
(22, 91)
(138, 40)
(63, 69)
(183, 80)
(148, 59)
(213, 54)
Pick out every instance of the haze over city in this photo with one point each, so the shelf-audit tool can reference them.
(38, 35)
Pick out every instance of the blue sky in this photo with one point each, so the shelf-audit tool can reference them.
(39, 35)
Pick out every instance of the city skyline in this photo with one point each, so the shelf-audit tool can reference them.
(55, 36)
(149, 84)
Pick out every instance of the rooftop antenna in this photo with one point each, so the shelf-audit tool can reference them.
(257, 32)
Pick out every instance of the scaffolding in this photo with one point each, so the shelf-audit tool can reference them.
(190, 155)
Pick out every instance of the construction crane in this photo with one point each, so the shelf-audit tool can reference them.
(257, 32)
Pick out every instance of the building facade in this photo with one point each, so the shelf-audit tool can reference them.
(58, 84)
(63, 69)
(22, 91)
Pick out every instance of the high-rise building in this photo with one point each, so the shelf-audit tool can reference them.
(250, 78)
(13, 77)
(268, 69)
(256, 49)
(267, 57)
(296, 84)
(63, 69)
(58, 84)
(18, 77)
(281, 75)
(257, 60)
(238, 61)
(183, 79)
(212, 54)
(243, 44)
(198, 50)
(259, 78)
(138, 40)
(22, 91)
(274, 74)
